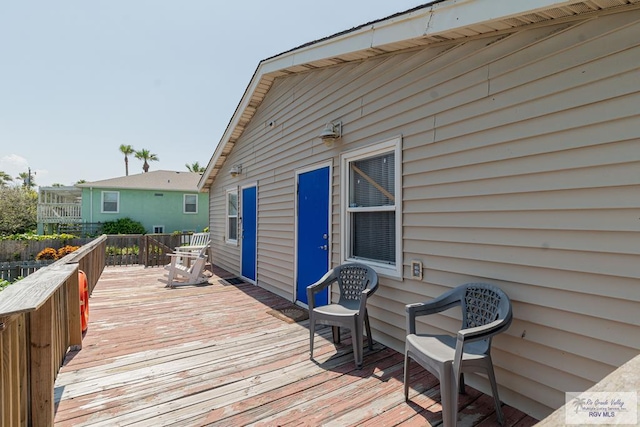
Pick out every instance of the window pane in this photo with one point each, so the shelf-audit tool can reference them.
(232, 216)
(233, 229)
(110, 202)
(372, 181)
(190, 203)
(374, 236)
(232, 209)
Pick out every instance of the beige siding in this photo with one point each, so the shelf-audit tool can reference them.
(521, 164)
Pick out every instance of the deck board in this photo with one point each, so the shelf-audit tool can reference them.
(212, 355)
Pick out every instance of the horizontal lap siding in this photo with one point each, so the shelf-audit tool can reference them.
(534, 187)
(520, 168)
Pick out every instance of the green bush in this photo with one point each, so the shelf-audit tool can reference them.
(37, 237)
(131, 250)
(18, 210)
(123, 226)
(5, 283)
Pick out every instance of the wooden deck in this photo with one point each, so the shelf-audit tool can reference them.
(212, 355)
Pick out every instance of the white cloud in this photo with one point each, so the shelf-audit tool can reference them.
(13, 164)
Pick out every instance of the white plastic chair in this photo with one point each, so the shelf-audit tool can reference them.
(187, 273)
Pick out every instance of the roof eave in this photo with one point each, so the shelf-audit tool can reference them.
(435, 22)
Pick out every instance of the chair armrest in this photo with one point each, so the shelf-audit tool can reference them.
(436, 305)
(485, 331)
(188, 248)
(184, 255)
(476, 334)
(318, 286)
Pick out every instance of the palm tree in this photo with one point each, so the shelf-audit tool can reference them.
(27, 179)
(126, 150)
(147, 156)
(195, 167)
(5, 179)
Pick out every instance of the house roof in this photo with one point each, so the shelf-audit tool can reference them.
(441, 21)
(155, 180)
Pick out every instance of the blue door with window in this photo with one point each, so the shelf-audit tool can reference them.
(313, 232)
(248, 233)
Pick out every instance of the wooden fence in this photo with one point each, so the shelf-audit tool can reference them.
(150, 250)
(13, 270)
(26, 250)
(39, 323)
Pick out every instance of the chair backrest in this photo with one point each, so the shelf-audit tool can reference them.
(352, 280)
(199, 239)
(481, 304)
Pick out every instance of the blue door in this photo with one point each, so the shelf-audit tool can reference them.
(249, 233)
(313, 232)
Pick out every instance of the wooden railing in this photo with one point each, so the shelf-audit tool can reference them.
(39, 323)
(150, 250)
(59, 212)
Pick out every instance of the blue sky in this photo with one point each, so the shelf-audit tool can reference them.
(80, 77)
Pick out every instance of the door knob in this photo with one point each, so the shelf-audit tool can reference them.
(324, 247)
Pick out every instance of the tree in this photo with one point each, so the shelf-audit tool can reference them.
(81, 181)
(126, 150)
(147, 156)
(5, 179)
(18, 210)
(27, 179)
(195, 167)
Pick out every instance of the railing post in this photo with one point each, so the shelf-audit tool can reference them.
(73, 302)
(42, 372)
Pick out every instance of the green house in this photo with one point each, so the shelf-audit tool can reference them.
(163, 201)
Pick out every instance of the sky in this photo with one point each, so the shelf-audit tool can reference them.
(78, 78)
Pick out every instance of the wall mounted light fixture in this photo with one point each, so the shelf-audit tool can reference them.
(235, 170)
(331, 132)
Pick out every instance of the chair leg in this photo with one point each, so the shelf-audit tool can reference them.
(448, 397)
(368, 326)
(357, 342)
(336, 334)
(462, 389)
(312, 332)
(494, 391)
(406, 376)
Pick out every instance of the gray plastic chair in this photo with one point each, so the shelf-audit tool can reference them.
(356, 283)
(486, 311)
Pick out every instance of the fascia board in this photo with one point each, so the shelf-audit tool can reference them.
(457, 14)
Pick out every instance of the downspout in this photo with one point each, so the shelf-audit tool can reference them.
(91, 205)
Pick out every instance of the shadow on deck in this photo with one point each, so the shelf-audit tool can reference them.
(207, 355)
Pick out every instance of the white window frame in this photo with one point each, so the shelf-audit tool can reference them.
(395, 145)
(158, 226)
(227, 216)
(117, 193)
(184, 204)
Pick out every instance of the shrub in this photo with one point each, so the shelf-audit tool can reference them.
(18, 210)
(37, 237)
(47, 253)
(131, 250)
(66, 250)
(123, 226)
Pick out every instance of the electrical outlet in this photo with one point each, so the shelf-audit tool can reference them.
(416, 269)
